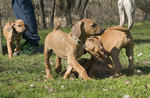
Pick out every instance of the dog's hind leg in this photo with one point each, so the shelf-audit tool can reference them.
(129, 53)
(47, 54)
(58, 65)
(115, 57)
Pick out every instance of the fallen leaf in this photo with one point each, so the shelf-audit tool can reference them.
(140, 96)
(50, 89)
(127, 96)
(140, 54)
(32, 85)
(112, 88)
(146, 86)
(62, 86)
(128, 82)
(138, 71)
(146, 62)
(104, 90)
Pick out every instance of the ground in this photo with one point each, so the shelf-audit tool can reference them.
(24, 76)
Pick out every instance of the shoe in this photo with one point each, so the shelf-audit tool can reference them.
(28, 49)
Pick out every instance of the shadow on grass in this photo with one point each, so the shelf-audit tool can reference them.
(141, 41)
(38, 51)
(144, 70)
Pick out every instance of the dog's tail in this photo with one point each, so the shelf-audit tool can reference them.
(120, 28)
(58, 24)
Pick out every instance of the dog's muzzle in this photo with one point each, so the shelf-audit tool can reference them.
(101, 32)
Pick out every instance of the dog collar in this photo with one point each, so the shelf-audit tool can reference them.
(76, 39)
(100, 62)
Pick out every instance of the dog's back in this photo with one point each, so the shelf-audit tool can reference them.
(5, 29)
(115, 37)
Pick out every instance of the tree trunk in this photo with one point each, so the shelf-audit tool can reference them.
(52, 14)
(83, 10)
(1, 51)
(68, 12)
(144, 5)
(42, 15)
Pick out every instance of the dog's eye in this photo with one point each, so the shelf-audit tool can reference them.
(19, 25)
(91, 40)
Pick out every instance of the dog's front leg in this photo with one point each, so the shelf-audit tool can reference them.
(80, 70)
(68, 72)
(115, 57)
(18, 46)
(9, 47)
(47, 55)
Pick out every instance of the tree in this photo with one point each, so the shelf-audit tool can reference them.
(42, 14)
(1, 52)
(52, 14)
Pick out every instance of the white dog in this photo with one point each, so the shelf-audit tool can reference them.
(129, 7)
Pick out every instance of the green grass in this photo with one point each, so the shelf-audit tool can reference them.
(18, 73)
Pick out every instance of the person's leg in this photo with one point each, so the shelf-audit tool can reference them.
(23, 9)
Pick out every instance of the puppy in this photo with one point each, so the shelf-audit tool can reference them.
(12, 32)
(70, 46)
(113, 40)
(98, 66)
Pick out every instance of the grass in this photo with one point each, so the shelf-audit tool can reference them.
(24, 76)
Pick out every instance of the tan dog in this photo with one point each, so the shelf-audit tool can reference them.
(70, 46)
(113, 40)
(98, 66)
(12, 32)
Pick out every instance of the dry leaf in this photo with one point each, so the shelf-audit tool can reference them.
(146, 62)
(127, 96)
(140, 54)
(50, 89)
(112, 88)
(146, 86)
(138, 71)
(128, 82)
(62, 86)
(104, 90)
(32, 85)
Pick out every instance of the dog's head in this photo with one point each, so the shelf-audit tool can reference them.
(18, 27)
(85, 28)
(94, 46)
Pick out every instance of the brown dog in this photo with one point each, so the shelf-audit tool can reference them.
(98, 66)
(70, 46)
(113, 40)
(12, 32)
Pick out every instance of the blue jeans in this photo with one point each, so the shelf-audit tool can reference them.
(23, 9)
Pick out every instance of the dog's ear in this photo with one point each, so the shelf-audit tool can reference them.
(26, 28)
(76, 29)
(10, 27)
